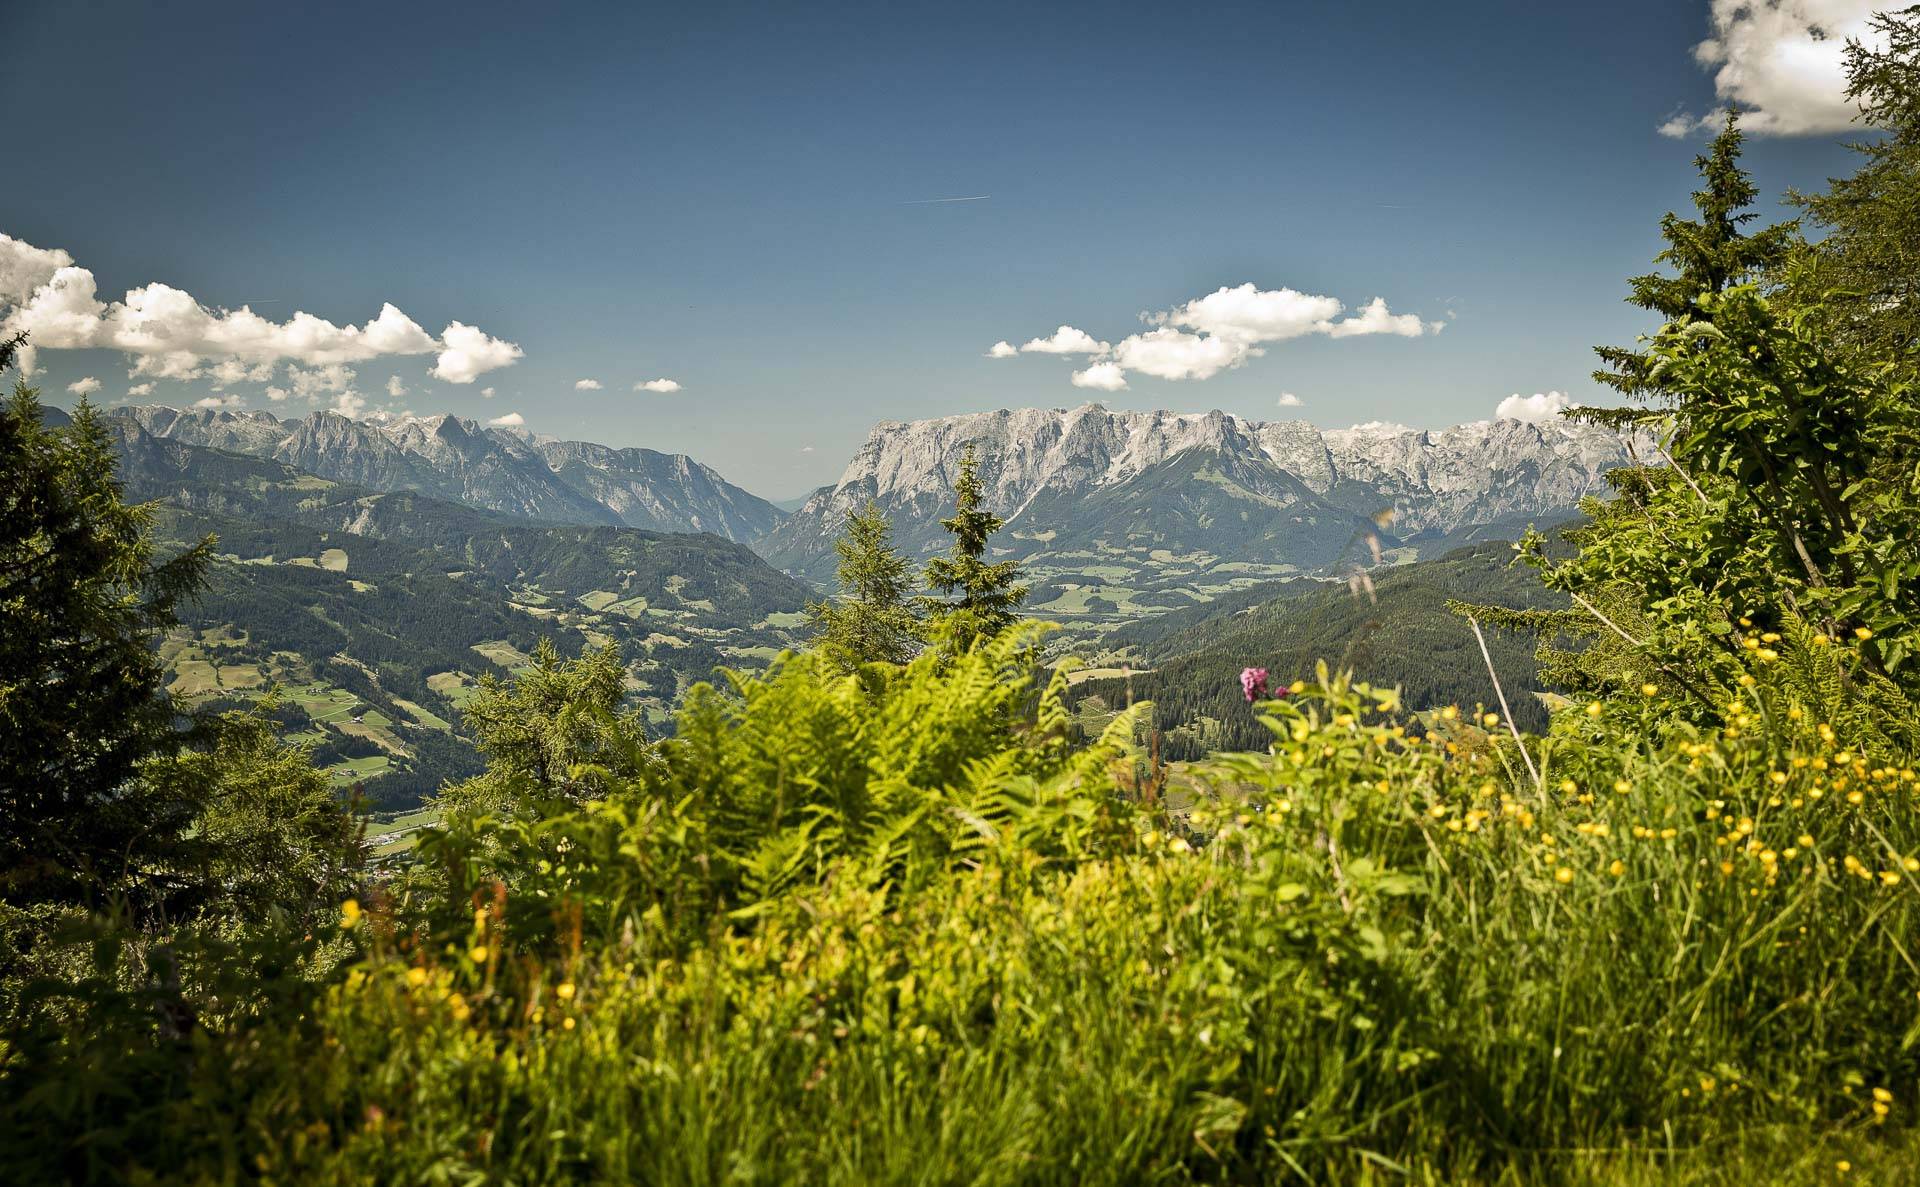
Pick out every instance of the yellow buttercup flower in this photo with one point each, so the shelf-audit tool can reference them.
(1563, 875)
(1862, 633)
(1649, 689)
(350, 914)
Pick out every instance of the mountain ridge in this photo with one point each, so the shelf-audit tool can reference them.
(491, 468)
(1280, 495)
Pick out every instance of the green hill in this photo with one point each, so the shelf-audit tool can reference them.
(393, 604)
(1188, 661)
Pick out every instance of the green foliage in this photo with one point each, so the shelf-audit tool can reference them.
(556, 732)
(983, 597)
(81, 706)
(1402, 635)
(276, 844)
(938, 950)
(874, 621)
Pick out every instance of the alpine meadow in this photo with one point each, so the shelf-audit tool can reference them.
(1090, 795)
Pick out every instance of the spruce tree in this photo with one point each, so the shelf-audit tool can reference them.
(82, 697)
(874, 621)
(1710, 253)
(982, 597)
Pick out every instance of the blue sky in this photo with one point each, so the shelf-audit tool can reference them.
(733, 197)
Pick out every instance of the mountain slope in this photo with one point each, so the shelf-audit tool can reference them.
(376, 611)
(495, 469)
(1116, 515)
(1188, 662)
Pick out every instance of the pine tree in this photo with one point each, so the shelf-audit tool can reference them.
(983, 596)
(1710, 254)
(82, 697)
(874, 622)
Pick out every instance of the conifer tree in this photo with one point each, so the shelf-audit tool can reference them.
(983, 597)
(874, 622)
(82, 698)
(1710, 254)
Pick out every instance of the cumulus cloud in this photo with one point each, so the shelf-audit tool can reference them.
(586, 385)
(470, 353)
(1217, 332)
(228, 372)
(1289, 400)
(1541, 406)
(141, 390)
(1065, 340)
(277, 394)
(1781, 62)
(1167, 353)
(84, 387)
(806, 449)
(1250, 315)
(511, 420)
(218, 402)
(486, 393)
(1002, 349)
(1375, 318)
(170, 335)
(349, 404)
(665, 387)
(1105, 376)
(396, 387)
(319, 381)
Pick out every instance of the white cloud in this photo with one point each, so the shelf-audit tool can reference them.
(1247, 314)
(1289, 400)
(511, 420)
(806, 449)
(1781, 61)
(1065, 340)
(1105, 376)
(349, 404)
(228, 372)
(1167, 353)
(1541, 406)
(312, 384)
(665, 387)
(277, 394)
(1375, 319)
(171, 335)
(469, 353)
(486, 393)
(396, 387)
(217, 402)
(1220, 331)
(586, 385)
(84, 387)
(1002, 349)
(141, 390)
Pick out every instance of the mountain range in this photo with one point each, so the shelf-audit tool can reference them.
(1113, 514)
(1116, 514)
(494, 469)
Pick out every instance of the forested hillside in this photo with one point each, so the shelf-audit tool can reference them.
(373, 614)
(1401, 634)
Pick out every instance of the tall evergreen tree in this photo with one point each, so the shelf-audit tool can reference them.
(982, 597)
(874, 622)
(82, 701)
(1710, 253)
